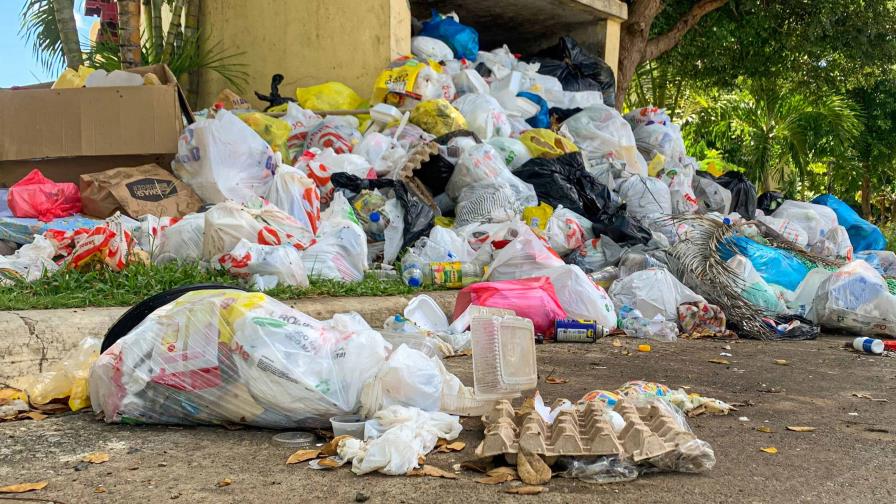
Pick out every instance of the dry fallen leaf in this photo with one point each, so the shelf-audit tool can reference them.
(224, 482)
(35, 415)
(302, 455)
(432, 471)
(481, 466)
(771, 450)
(782, 362)
(862, 395)
(24, 487)
(443, 446)
(330, 448)
(100, 489)
(764, 428)
(617, 343)
(800, 428)
(720, 361)
(499, 475)
(96, 457)
(556, 380)
(525, 490)
(532, 470)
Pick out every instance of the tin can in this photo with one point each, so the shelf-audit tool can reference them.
(447, 274)
(578, 331)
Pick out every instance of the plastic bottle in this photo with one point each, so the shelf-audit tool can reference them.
(375, 226)
(635, 324)
(414, 271)
(868, 345)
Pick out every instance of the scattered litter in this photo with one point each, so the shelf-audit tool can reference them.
(302, 456)
(862, 395)
(771, 450)
(432, 471)
(720, 361)
(782, 362)
(800, 428)
(224, 482)
(96, 457)
(765, 428)
(525, 490)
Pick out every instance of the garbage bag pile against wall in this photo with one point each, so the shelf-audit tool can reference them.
(231, 357)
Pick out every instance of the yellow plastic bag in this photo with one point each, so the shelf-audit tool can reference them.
(544, 143)
(68, 378)
(538, 216)
(71, 79)
(329, 96)
(437, 117)
(656, 164)
(274, 131)
(395, 85)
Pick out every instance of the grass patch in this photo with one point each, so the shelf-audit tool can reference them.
(71, 289)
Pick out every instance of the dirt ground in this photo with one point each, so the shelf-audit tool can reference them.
(851, 457)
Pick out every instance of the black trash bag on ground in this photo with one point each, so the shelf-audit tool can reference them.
(768, 202)
(418, 216)
(577, 70)
(805, 330)
(563, 180)
(743, 193)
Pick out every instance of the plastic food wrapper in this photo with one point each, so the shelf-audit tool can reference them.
(340, 252)
(232, 357)
(410, 81)
(776, 266)
(533, 298)
(329, 96)
(339, 133)
(856, 298)
(297, 195)
(397, 437)
(227, 223)
(438, 117)
(28, 263)
(656, 329)
(65, 379)
(224, 159)
(250, 260)
(300, 122)
(108, 245)
(484, 115)
(273, 130)
(602, 134)
(701, 319)
(481, 163)
(39, 197)
(652, 292)
(182, 241)
(862, 234)
(462, 39)
(544, 143)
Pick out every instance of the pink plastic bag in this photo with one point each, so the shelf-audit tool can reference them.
(38, 196)
(533, 298)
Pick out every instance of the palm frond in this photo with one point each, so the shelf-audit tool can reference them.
(39, 27)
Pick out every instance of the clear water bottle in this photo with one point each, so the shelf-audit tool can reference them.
(413, 270)
(376, 226)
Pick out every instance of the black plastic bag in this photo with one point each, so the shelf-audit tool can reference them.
(577, 70)
(418, 216)
(436, 171)
(743, 193)
(806, 330)
(768, 202)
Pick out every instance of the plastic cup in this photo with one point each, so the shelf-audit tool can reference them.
(350, 425)
(868, 345)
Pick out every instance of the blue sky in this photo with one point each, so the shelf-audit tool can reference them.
(18, 66)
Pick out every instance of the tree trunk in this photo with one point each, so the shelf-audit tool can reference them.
(129, 33)
(635, 44)
(173, 30)
(866, 194)
(68, 32)
(191, 35)
(158, 38)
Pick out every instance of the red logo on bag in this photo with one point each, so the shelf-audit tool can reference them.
(269, 236)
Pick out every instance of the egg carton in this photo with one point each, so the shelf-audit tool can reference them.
(649, 431)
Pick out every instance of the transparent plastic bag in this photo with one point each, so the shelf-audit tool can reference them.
(181, 242)
(567, 231)
(272, 130)
(646, 198)
(515, 152)
(227, 223)
(600, 470)
(232, 357)
(224, 159)
(482, 163)
(789, 230)
(817, 220)
(484, 115)
(28, 263)
(67, 378)
(340, 252)
(282, 262)
(297, 195)
(652, 292)
(602, 133)
(835, 245)
(523, 256)
(596, 254)
(408, 378)
(856, 298)
(300, 122)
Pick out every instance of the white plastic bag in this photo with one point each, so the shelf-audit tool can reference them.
(469, 81)
(394, 232)
(681, 188)
(301, 121)
(567, 231)
(283, 262)
(341, 249)
(429, 48)
(515, 152)
(835, 244)
(227, 223)
(711, 197)
(297, 195)
(224, 159)
(29, 263)
(817, 220)
(181, 242)
(789, 230)
(580, 297)
(646, 198)
(484, 115)
(601, 133)
(856, 298)
(525, 256)
(482, 163)
(382, 152)
(319, 166)
(408, 378)
(652, 292)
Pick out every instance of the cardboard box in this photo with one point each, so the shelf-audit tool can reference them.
(69, 132)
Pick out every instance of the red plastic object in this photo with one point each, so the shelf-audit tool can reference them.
(38, 196)
(533, 298)
(890, 345)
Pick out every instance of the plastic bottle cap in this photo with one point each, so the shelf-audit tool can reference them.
(644, 347)
(375, 217)
(414, 282)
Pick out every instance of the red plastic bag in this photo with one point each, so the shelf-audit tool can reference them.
(533, 298)
(38, 196)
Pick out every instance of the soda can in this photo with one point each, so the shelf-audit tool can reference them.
(578, 331)
(447, 274)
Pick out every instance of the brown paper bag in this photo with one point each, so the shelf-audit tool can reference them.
(137, 191)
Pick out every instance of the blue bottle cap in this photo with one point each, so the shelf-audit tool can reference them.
(374, 216)
(414, 282)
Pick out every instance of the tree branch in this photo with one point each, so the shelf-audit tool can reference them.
(659, 45)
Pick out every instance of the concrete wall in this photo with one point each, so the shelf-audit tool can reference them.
(308, 41)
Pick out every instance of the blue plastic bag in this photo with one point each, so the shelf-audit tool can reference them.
(862, 234)
(462, 39)
(542, 119)
(775, 266)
